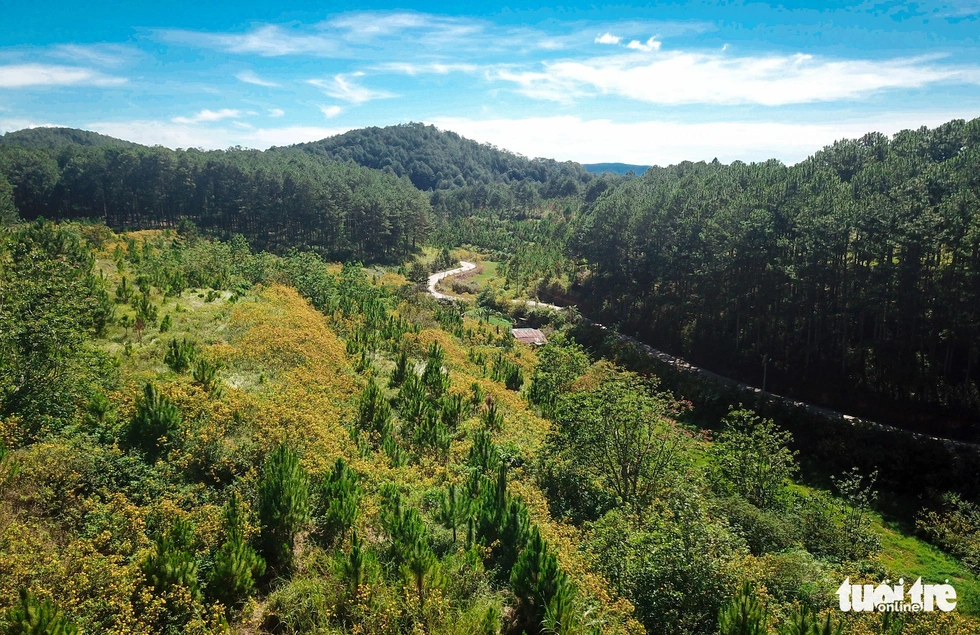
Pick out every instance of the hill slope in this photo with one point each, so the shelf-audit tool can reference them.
(56, 138)
(435, 159)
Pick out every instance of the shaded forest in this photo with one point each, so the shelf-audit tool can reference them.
(852, 278)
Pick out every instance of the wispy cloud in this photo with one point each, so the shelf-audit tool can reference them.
(177, 135)
(608, 38)
(331, 111)
(107, 55)
(375, 24)
(343, 87)
(650, 45)
(249, 77)
(710, 78)
(28, 75)
(206, 116)
(427, 68)
(276, 112)
(417, 37)
(268, 40)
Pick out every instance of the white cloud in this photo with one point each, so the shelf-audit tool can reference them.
(367, 25)
(111, 55)
(650, 45)
(25, 75)
(608, 38)
(711, 78)
(249, 77)
(664, 143)
(209, 116)
(176, 135)
(344, 88)
(331, 111)
(276, 112)
(267, 40)
(427, 68)
(11, 124)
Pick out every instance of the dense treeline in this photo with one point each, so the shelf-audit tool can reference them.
(276, 200)
(60, 138)
(853, 276)
(433, 159)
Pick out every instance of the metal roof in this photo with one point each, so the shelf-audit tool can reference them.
(530, 336)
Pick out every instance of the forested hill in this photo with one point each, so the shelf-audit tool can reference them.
(852, 278)
(60, 138)
(434, 159)
(277, 200)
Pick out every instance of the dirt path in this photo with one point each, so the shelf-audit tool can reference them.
(436, 277)
(465, 266)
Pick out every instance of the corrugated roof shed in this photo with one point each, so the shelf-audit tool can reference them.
(530, 336)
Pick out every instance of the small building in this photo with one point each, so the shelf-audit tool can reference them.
(533, 337)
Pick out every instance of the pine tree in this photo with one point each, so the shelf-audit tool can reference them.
(237, 566)
(172, 562)
(743, 615)
(402, 369)
(155, 423)
(435, 381)
(355, 566)
(491, 417)
(803, 621)
(483, 453)
(30, 616)
(180, 355)
(206, 376)
(338, 496)
(452, 409)
(453, 509)
(374, 411)
(283, 507)
(543, 591)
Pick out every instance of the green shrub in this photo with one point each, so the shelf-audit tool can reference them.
(764, 531)
(954, 526)
(753, 458)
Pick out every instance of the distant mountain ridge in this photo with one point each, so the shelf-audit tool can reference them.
(616, 168)
(434, 159)
(56, 138)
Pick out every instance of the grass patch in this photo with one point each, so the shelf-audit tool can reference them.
(488, 272)
(908, 557)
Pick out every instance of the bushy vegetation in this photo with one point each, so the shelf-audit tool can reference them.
(306, 447)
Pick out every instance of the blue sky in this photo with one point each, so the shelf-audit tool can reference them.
(586, 82)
